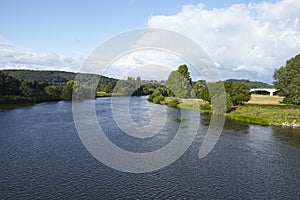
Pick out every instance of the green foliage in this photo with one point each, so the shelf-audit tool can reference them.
(205, 108)
(287, 81)
(200, 90)
(68, 91)
(32, 88)
(109, 88)
(76, 90)
(149, 88)
(221, 104)
(125, 88)
(156, 92)
(9, 85)
(250, 119)
(57, 78)
(239, 92)
(172, 102)
(251, 84)
(52, 90)
(158, 99)
(179, 82)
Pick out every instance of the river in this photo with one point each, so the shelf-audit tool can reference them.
(43, 157)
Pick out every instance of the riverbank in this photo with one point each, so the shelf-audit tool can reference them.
(283, 115)
(273, 113)
(267, 110)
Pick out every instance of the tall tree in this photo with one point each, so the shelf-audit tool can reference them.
(287, 81)
(179, 82)
(239, 92)
(68, 90)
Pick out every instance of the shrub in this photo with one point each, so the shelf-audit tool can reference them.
(172, 102)
(205, 108)
(158, 99)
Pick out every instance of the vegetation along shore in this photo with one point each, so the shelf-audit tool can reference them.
(281, 110)
(179, 91)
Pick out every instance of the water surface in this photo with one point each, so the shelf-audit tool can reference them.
(42, 157)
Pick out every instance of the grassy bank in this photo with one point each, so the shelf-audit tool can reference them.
(104, 94)
(267, 110)
(267, 114)
(261, 109)
(187, 104)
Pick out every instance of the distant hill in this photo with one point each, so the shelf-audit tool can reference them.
(252, 84)
(57, 78)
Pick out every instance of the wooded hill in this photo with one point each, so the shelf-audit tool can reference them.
(56, 78)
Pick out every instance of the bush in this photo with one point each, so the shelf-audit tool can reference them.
(172, 102)
(158, 99)
(151, 97)
(205, 108)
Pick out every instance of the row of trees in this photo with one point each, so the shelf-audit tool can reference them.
(14, 90)
(180, 85)
(54, 85)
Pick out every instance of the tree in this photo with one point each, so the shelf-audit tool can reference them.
(9, 85)
(201, 91)
(68, 90)
(239, 92)
(110, 87)
(179, 82)
(27, 88)
(287, 81)
(52, 90)
(219, 105)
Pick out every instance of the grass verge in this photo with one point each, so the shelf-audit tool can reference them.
(267, 114)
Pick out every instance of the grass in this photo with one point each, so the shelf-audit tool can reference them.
(267, 110)
(261, 109)
(265, 100)
(191, 104)
(104, 94)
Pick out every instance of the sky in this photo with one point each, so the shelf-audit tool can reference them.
(244, 39)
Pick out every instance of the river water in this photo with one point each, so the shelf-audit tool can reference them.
(42, 157)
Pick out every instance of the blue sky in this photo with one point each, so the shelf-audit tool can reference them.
(67, 26)
(70, 30)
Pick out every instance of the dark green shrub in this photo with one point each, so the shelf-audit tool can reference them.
(205, 108)
(158, 99)
(172, 102)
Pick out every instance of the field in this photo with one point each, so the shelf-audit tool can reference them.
(265, 100)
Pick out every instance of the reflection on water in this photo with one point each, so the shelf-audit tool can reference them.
(42, 157)
(289, 136)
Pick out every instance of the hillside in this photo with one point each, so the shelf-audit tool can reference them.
(57, 78)
(252, 84)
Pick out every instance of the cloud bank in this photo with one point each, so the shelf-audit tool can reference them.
(13, 56)
(245, 40)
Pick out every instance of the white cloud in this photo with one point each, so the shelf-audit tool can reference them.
(16, 57)
(146, 63)
(245, 40)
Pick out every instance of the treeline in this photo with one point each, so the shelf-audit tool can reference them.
(130, 87)
(37, 86)
(13, 90)
(180, 85)
(251, 84)
(56, 78)
(21, 86)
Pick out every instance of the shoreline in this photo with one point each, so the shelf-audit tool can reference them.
(258, 114)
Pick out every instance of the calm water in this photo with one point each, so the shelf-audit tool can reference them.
(42, 157)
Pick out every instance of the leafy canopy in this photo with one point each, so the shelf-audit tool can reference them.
(287, 81)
